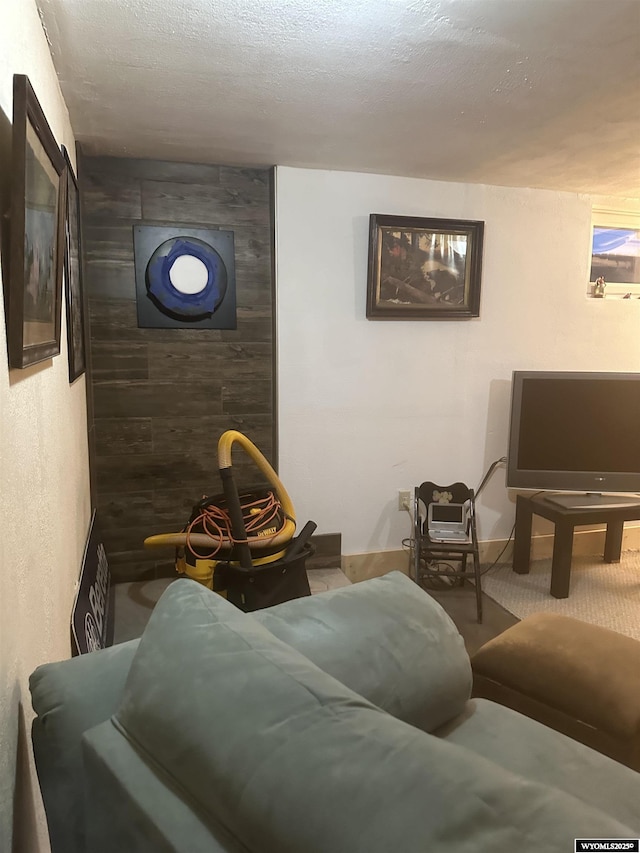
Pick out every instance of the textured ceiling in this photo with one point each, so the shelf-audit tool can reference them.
(537, 93)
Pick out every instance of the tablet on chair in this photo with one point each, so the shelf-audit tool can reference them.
(447, 522)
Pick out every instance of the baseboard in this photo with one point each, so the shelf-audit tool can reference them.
(360, 567)
(327, 551)
(585, 543)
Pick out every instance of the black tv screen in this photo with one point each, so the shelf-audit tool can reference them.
(574, 432)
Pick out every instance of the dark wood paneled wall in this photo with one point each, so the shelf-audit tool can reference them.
(160, 398)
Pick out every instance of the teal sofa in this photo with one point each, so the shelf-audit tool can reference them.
(339, 723)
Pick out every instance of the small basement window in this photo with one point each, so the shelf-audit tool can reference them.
(615, 255)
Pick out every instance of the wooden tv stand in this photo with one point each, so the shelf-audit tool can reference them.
(565, 520)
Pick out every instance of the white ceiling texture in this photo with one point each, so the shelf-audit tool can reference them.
(537, 93)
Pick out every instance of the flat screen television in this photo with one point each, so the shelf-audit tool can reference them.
(576, 432)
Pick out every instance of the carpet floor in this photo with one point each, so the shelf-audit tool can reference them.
(606, 594)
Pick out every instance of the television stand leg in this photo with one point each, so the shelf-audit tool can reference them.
(613, 541)
(522, 540)
(561, 560)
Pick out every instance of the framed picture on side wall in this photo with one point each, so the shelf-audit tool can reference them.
(36, 233)
(73, 276)
(423, 268)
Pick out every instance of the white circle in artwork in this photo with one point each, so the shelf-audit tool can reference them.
(188, 274)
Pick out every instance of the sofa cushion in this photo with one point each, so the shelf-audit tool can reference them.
(387, 640)
(529, 749)
(286, 758)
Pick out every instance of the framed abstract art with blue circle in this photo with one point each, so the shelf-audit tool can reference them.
(185, 277)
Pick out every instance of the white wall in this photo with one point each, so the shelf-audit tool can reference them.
(370, 407)
(44, 479)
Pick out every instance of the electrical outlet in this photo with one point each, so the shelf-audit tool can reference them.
(404, 499)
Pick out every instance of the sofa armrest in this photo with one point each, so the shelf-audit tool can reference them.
(153, 816)
(70, 697)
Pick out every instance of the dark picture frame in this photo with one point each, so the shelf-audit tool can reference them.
(76, 343)
(37, 233)
(424, 268)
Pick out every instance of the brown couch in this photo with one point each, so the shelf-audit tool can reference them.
(575, 677)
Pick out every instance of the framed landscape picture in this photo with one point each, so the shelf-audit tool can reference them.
(73, 276)
(423, 268)
(37, 233)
